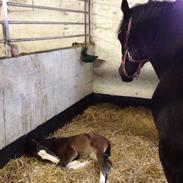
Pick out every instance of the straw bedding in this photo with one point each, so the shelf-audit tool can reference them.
(134, 150)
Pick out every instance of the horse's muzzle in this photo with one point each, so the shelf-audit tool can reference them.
(123, 76)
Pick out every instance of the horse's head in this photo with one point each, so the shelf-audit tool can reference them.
(133, 51)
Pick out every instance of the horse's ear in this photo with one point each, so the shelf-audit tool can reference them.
(125, 8)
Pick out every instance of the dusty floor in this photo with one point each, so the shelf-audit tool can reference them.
(134, 150)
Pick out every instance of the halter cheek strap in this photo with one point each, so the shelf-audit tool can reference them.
(123, 61)
(128, 33)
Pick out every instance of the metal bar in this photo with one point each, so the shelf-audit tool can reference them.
(45, 22)
(33, 4)
(89, 20)
(43, 7)
(45, 38)
(85, 22)
(33, 1)
(6, 32)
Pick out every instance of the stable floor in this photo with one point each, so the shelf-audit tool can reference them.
(134, 150)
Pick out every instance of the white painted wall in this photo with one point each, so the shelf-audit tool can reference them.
(106, 16)
(35, 88)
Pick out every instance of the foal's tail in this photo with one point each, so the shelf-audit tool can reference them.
(104, 162)
(107, 164)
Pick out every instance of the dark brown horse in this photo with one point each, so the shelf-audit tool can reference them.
(154, 32)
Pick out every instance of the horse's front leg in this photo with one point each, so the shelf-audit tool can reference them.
(172, 162)
(49, 157)
(67, 155)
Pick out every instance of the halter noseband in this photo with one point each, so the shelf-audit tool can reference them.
(130, 58)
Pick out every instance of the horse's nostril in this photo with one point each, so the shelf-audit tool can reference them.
(126, 79)
(123, 76)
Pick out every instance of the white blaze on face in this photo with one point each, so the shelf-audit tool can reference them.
(102, 178)
(76, 165)
(45, 156)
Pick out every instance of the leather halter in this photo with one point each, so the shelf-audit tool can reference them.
(130, 58)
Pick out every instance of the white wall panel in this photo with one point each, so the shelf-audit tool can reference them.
(38, 87)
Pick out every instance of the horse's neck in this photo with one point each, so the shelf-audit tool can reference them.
(160, 67)
(162, 64)
(164, 36)
(168, 50)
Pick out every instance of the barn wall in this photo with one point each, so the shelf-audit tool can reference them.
(106, 16)
(35, 88)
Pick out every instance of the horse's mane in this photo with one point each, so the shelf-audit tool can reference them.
(153, 7)
(148, 11)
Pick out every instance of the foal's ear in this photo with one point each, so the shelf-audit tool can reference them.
(125, 8)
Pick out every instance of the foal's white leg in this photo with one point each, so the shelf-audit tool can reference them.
(102, 178)
(45, 156)
(77, 164)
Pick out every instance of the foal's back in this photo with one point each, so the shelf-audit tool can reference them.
(84, 144)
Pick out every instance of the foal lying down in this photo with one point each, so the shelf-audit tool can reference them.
(64, 151)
